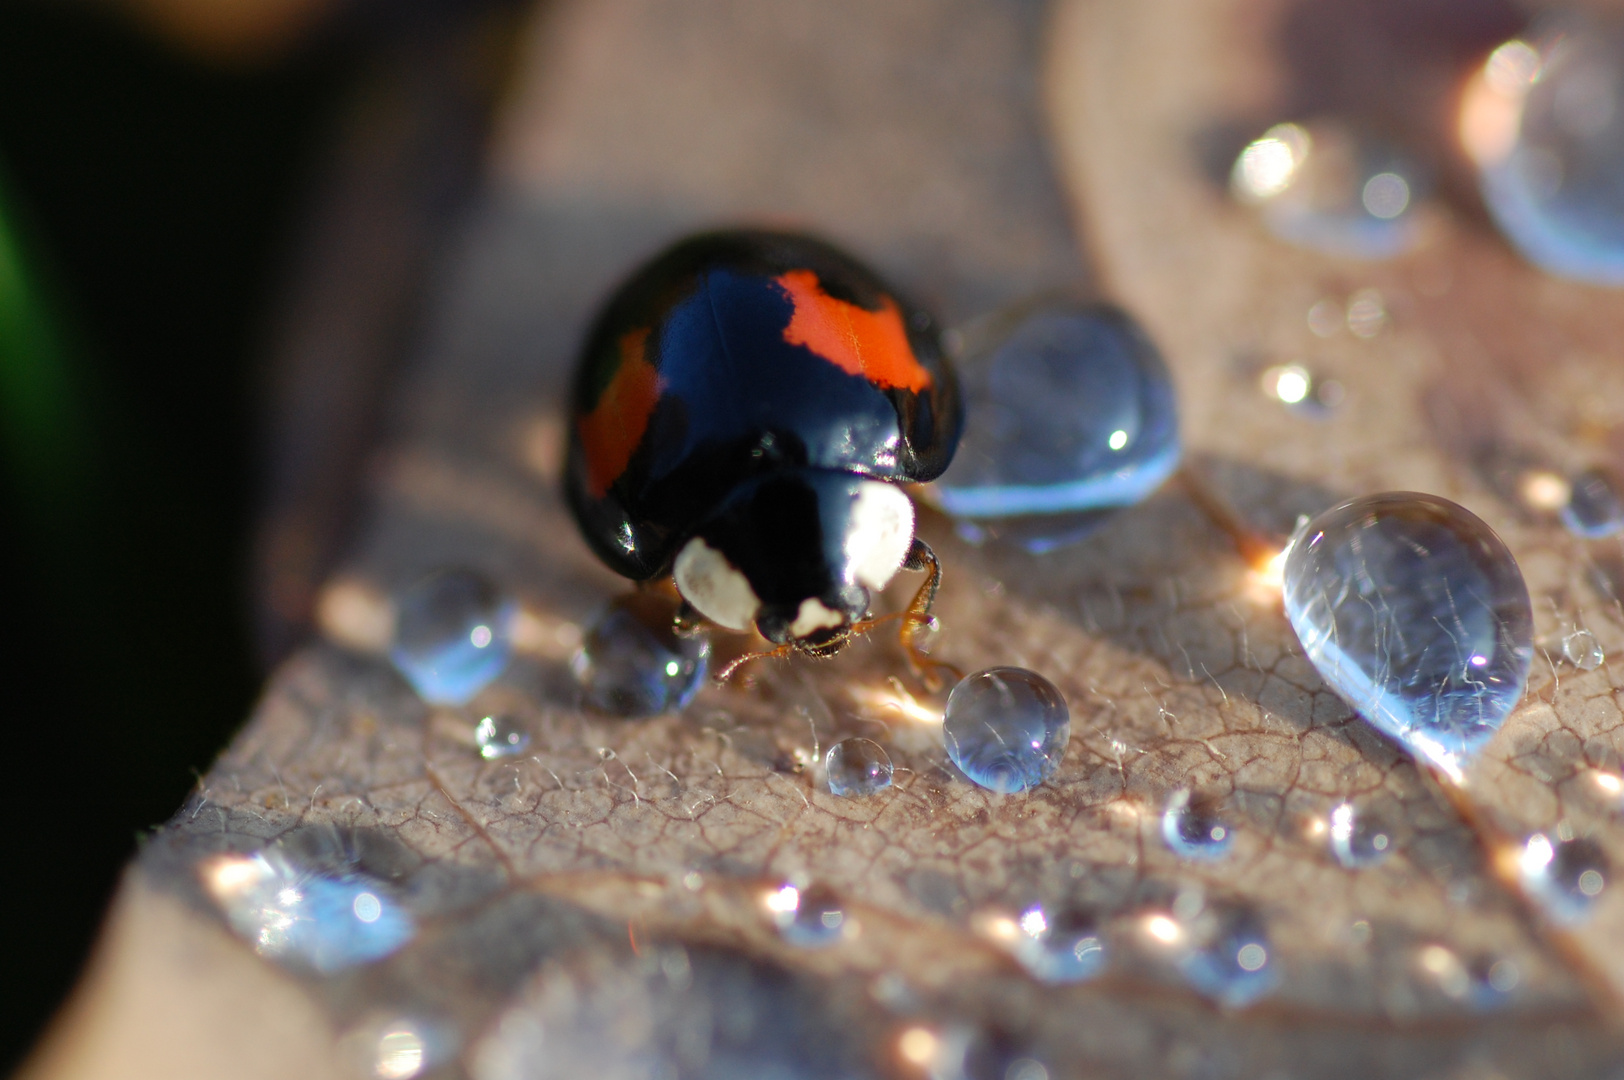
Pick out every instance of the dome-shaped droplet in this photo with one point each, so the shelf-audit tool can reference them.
(326, 920)
(1006, 728)
(1060, 946)
(1565, 876)
(1226, 955)
(1327, 187)
(1583, 651)
(1594, 509)
(1359, 840)
(1417, 616)
(1544, 120)
(634, 663)
(856, 767)
(452, 635)
(809, 918)
(1194, 829)
(1072, 410)
(500, 736)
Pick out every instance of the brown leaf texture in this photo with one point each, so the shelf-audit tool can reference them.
(587, 907)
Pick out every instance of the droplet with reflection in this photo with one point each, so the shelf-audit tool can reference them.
(1565, 876)
(857, 767)
(809, 918)
(1330, 188)
(1006, 728)
(1193, 829)
(1071, 411)
(1061, 945)
(1299, 389)
(500, 736)
(1358, 840)
(1583, 651)
(1414, 612)
(452, 634)
(1221, 948)
(1594, 508)
(1542, 120)
(633, 661)
(1484, 984)
(322, 919)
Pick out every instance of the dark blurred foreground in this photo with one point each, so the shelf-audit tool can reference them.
(152, 197)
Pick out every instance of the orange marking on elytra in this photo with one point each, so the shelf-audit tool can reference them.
(611, 431)
(873, 344)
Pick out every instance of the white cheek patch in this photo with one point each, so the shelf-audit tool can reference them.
(813, 616)
(716, 590)
(881, 531)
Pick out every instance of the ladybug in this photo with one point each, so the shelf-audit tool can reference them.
(746, 408)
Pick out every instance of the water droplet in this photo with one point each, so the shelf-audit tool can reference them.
(1006, 728)
(328, 921)
(634, 663)
(1358, 840)
(1301, 390)
(1194, 829)
(1594, 507)
(1583, 651)
(1417, 616)
(1484, 984)
(1367, 313)
(1565, 876)
(856, 767)
(1063, 946)
(500, 736)
(1544, 122)
(1073, 410)
(452, 635)
(809, 918)
(1221, 949)
(1326, 187)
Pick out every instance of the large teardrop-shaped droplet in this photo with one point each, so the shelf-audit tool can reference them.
(1414, 612)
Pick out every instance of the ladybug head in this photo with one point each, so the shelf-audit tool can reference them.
(797, 555)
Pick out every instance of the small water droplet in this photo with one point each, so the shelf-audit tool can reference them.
(1414, 612)
(1595, 508)
(1358, 840)
(1060, 946)
(1073, 410)
(1565, 876)
(323, 920)
(1485, 984)
(634, 663)
(398, 1047)
(1548, 139)
(1583, 651)
(1194, 829)
(1330, 188)
(500, 736)
(452, 635)
(809, 918)
(1294, 386)
(857, 767)
(1367, 313)
(1222, 950)
(1006, 728)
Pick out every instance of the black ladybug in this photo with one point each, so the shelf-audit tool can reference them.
(745, 408)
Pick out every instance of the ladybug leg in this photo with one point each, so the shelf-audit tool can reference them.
(687, 622)
(739, 661)
(918, 617)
